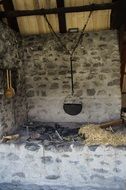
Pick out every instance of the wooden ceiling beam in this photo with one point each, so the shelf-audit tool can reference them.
(61, 17)
(91, 7)
(12, 21)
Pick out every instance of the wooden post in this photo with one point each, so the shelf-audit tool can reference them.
(12, 22)
(61, 17)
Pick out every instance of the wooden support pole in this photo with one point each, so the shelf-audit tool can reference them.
(118, 15)
(12, 21)
(61, 17)
(122, 47)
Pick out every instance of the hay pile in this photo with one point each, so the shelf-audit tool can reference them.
(95, 135)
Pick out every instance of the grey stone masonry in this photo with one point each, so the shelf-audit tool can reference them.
(12, 111)
(96, 67)
(42, 77)
(79, 168)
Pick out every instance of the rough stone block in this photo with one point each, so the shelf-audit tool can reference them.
(91, 92)
(47, 159)
(52, 177)
(19, 174)
(12, 157)
(54, 86)
(32, 146)
(114, 82)
(30, 93)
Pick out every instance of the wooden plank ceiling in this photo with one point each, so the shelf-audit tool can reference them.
(37, 25)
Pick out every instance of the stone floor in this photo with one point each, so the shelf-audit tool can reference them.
(11, 186)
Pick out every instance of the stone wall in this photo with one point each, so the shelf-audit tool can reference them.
(42, 77)
(71, 168)
(12, 111)
(96, 76)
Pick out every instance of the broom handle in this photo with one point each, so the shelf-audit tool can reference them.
(111, 123)
(7, 79)
(10, 78)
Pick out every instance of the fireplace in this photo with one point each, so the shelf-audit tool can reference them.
(42, 78)
(49, 151)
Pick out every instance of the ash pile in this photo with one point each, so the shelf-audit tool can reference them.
(56, 134)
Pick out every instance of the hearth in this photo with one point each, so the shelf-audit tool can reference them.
(41, 79)
(48, 134)
(62, 135)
